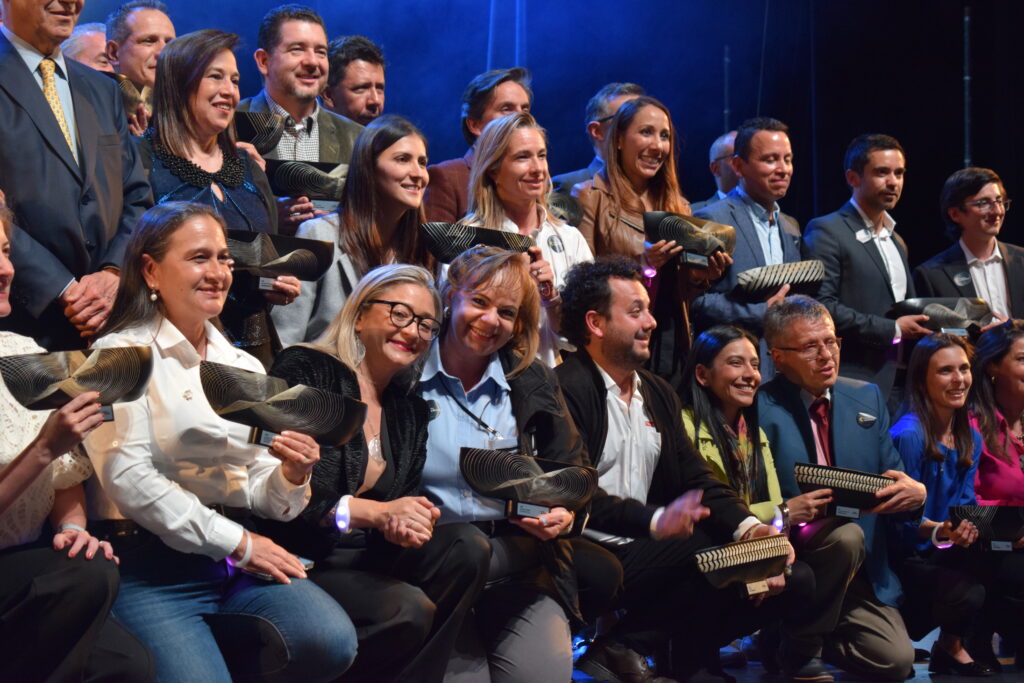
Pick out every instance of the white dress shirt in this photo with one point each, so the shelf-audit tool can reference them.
(989, 276)
(23, 520)
(882, 236)
(168, 455)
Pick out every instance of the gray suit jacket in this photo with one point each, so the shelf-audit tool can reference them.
(697, 206)
(565, 181)
(337, 133)
(857, 292)
(947, 274)
(74, 218)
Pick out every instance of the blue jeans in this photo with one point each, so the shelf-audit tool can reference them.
(169, 600)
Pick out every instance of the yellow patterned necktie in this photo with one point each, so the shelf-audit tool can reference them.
(47, 68)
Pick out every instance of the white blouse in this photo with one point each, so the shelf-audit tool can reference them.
(23, 521)
(167, 455)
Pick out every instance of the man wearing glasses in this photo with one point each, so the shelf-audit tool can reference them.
(720, 165)
(866, 262)
(812, 415)
(974, 206)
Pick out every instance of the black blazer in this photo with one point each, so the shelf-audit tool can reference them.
(680, 468)
(947, 274)
(857, 293)
(73, 218)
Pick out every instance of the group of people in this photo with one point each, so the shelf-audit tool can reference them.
(163, 544)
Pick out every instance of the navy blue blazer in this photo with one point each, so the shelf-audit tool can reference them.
(857, 292)
(73, 218)
(718, 306)
(860, 441)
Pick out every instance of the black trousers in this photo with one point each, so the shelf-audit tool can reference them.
(407, 604)
(55, 624)
(665, 596)
(944, 588)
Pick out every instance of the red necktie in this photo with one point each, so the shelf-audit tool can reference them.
(819, 415)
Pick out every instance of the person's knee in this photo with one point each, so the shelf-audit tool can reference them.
(413, 618)
(847, 544)
(469, 552)
(93, 582)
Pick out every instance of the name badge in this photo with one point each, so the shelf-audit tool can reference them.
(847, 512)
(266, 284)
(1003, 546)
(757, 587)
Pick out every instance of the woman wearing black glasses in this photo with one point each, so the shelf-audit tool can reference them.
(406, 585)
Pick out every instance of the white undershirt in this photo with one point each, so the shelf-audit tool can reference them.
(989, 276)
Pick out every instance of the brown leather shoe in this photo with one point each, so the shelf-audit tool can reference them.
(616, 663)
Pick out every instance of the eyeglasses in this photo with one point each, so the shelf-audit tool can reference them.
(989, 205)
(812, 351)
(402, 316)
(604, 118)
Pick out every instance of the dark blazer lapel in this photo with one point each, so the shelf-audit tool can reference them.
(22, 88)
(330, 147)
(957, 271)
(88, 124)
(1013, 264)
(746, 230)
(854, 222)
(901, 247)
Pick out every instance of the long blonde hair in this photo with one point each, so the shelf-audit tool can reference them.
(339, 339)
(485, 209)
(479, 267)
(663, 188)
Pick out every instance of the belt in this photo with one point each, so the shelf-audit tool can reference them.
(108, 529)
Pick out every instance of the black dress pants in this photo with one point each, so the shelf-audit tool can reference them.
(54, 623)
(407, 604)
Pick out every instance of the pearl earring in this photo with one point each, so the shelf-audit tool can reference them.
(152, 294)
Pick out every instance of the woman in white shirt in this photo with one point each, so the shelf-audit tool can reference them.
(179, 482)
(41, 474)
(508, 187)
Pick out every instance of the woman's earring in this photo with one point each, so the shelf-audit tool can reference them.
(152, 294)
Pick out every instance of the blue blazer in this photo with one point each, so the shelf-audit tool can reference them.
(860, 441)
(73, 218)
(718, 306)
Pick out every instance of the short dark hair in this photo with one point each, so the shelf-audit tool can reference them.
(586, 288)
(862, 146)
(751, 127)
(780, 315)
(958, 187)
(270, 26)
(117, 21)
(345, 49)
(597, 106)
(479, 91)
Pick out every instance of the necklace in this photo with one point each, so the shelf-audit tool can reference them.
(231, 173)
(373, 447)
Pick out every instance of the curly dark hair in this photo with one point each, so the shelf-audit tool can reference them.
(586, 288)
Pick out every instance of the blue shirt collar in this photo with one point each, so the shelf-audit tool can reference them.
(32, 57)
(434, 367)
(759, 211)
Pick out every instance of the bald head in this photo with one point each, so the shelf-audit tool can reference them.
(719, 159)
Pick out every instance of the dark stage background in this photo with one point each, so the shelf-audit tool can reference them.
(830, 69)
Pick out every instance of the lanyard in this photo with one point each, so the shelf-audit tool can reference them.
(491, 431)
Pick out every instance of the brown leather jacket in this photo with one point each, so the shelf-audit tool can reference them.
(607, 228)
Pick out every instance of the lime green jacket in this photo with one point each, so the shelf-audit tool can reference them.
(764, 510)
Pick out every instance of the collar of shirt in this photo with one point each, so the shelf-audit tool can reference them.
(996, 257)
(508, 225)
(721, 195)
(807, 399)
(309, 123)
(31, 56)
(888, 225)
(613, 388)
(434, 367)
(170, 342)
(759, 212)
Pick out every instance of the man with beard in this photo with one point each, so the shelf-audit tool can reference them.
(292, 56)
(655, 489)
(866, 269)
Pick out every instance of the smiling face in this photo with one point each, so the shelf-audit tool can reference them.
(390, 349)
(880, 185)
(522, 174)
(44, 24)
(645, 146)
(508, 98)
(402, 173)
(149, 32)
(1009, 374)
(948, 379)
(768, 169)
(483, 320)
(215, 99)
(6, 274)
(811, 372)
(978, 225)
(359, 95)
(624, 335)
(734, 375)
(296, 68)
(194, 276)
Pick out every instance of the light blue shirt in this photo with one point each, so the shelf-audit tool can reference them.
(451, 428)
(32, 58)
(766, 223)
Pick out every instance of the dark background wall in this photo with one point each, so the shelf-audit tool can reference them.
(830, 69)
